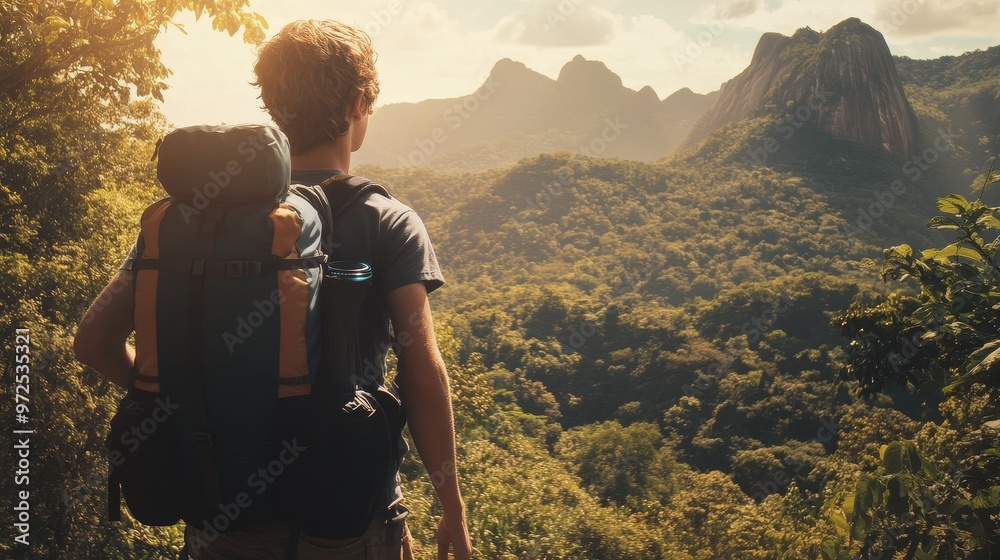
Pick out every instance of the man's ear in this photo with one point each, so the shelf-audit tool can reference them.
(357, 109)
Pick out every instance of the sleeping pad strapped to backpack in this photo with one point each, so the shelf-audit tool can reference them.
(236, 415)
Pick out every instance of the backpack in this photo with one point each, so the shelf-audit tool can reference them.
(244, 407)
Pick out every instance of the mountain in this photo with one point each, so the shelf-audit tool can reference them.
(957, 93)
(843, 82)
(518, 113)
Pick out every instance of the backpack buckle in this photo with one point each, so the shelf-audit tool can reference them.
(243, 269)
(202, 439)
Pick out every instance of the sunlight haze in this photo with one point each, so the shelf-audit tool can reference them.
(446, 48)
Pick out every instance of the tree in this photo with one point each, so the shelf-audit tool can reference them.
(74, 175)
(104, 47)
(624, 465)
(944, 338)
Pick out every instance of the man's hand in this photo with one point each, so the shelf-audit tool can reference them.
(452, 533)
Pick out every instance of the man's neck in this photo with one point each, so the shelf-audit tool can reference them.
(332, 155)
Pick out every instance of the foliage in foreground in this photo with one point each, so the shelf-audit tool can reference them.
(937, 496)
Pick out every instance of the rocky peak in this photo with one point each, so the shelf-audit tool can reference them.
(845, 76)
(510, 71)
(589, 77)
(647, 97)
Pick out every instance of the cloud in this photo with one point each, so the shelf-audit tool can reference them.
(558, 24)
(737, 9)
(909, 19)
(413, 25)
(903, 22)
(786, 17)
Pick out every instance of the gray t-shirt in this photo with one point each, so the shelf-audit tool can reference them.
(389, 236)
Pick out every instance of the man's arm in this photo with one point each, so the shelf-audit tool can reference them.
(423, 384)
(101, 338)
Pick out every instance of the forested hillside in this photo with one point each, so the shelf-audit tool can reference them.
(610, 301)
(705, 357)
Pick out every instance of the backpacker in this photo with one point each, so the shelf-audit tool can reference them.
(242, 409)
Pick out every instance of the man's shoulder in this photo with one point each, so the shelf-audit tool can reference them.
(387, 207)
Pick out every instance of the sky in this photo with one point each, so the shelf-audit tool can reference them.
(446, 48)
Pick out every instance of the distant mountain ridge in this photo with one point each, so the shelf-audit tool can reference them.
(518, 113)
(843, 81)
(842, 85)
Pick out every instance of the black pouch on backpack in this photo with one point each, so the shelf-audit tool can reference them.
(142, 467)
(345, 465)
(349, 434)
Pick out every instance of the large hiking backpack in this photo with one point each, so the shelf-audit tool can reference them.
(243, 408)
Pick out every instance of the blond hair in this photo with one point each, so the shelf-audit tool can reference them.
(309, 75)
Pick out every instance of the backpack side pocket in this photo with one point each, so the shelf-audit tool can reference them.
(143, 467)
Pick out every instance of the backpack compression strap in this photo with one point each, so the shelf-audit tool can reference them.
(202, 435)
(231, 269)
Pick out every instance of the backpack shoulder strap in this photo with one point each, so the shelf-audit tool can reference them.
(333, 197)
(343, 190)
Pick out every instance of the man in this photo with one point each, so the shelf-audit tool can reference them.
(318, 81)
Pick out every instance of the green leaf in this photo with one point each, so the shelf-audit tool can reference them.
(829, 548)
(848, 506)
(899, 494)
(861, 520)
(913, 461)
(859, 527)
(903, 250)
(988, 222)
(953, 204)
(943, 222)
(959, 508)
(862, 495)
(56, 21)
(961, 250)
(892, 457)
(978, 366)
(840, 523)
